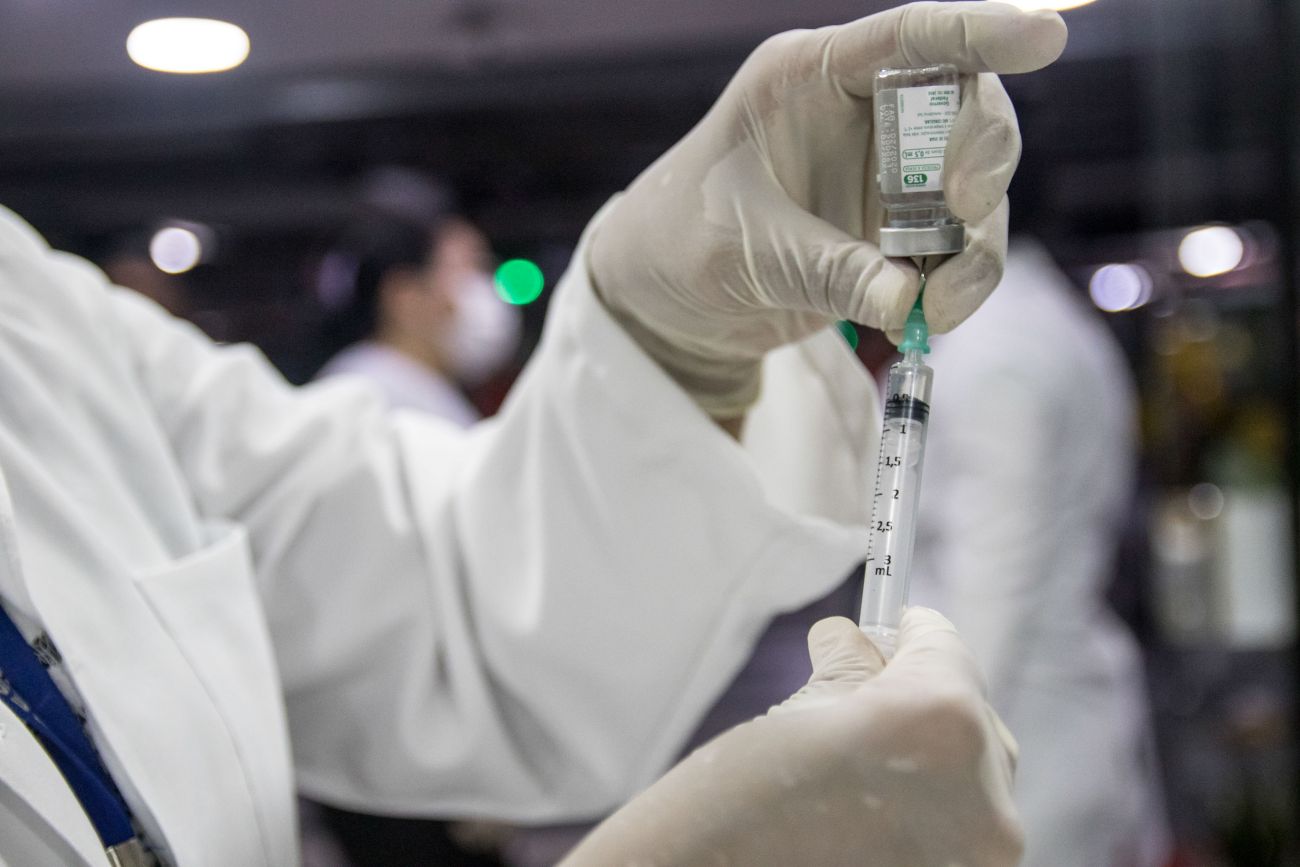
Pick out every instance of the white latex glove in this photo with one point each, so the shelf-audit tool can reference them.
(908, 766)
(756, 229)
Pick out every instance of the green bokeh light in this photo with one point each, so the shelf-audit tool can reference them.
(519, 281)
(848, 332)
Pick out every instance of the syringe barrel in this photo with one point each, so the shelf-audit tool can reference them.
(907, 393)
(894, 507)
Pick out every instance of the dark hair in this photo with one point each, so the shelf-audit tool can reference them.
(398, 214)
(350, 275)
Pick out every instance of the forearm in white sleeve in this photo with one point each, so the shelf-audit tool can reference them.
(524, 621)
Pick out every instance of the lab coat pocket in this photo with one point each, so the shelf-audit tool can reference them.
(207, 602)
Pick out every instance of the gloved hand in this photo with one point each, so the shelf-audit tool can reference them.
(755, 230)
(904, 766)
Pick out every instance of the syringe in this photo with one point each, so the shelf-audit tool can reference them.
(898, 486)
(915, 109)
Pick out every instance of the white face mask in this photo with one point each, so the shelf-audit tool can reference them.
(484, 332)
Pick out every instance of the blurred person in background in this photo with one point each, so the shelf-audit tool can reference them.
(409, 299)
(190, 544)
(414, 309)
(125, 260)
(1030, 471)
(136, 271)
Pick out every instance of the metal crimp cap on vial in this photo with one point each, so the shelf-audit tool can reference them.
(928, 241)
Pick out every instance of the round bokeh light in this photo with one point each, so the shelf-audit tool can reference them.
(175, 250)
(1115, 288)
(1211, 251)
(519, 281)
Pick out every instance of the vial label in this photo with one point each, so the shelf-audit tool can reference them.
(925, 116)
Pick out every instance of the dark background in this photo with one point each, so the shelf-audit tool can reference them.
(1163, 115)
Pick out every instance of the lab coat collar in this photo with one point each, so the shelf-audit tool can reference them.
(30, 780)
(27, 775)
(147, 710)
(12, 587)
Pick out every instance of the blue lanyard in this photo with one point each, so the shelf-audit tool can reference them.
(33, 696)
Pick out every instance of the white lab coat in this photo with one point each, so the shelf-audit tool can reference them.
(405, 382)
(524, 621)
(1029, 470)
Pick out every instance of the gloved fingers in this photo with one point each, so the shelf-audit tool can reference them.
(973, 36)
(835, 274)
(931, 652)
(960, 285)
(1010, 746)
(869, 288)
(947, 698)
(839, 651)
(843, 659)
(983, 149)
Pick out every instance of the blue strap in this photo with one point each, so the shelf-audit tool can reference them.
(38, 702)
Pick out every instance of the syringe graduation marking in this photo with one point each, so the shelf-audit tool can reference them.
(906, 406)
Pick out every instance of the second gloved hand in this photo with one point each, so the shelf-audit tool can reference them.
(753, 231)
(902, 767)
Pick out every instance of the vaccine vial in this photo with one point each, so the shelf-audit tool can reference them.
(915, 109)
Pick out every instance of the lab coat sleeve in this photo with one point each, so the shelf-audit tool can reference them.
(525, 620)
(993, 547)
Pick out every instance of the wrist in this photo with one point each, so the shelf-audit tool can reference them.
(724, 387)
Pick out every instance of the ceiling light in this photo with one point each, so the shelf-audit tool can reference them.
(1058, 5)
(187, 45)
(1115, 288)
(1211, 251)
(175, 249)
